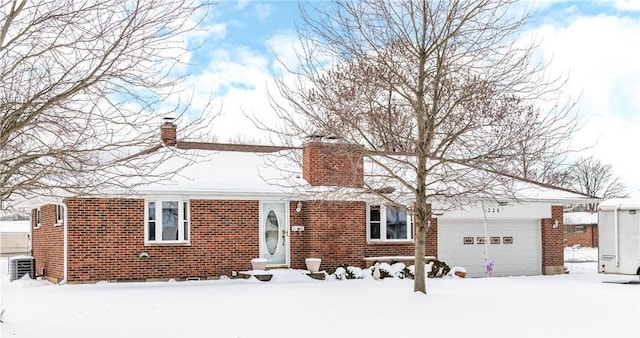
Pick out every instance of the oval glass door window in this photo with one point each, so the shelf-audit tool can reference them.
(271, 232)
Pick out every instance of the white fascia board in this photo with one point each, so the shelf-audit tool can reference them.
(495, 211)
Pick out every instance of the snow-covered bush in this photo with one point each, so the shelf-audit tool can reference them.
(348, 272)
(433, 269)
(437, 269)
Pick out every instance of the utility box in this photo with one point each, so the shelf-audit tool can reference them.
(619, 236)
(20, 266)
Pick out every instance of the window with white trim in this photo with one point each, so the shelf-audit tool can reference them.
(59, 214)
(167, 221)
(389, 223)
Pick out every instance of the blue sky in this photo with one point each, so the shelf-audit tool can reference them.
(595, 43)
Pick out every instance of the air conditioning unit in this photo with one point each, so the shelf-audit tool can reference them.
(20, 266)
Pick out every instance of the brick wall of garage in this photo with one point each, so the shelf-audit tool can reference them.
(553, 241)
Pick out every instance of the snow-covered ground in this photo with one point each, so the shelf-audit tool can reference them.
(576, 304)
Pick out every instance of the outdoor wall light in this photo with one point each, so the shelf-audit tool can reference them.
(555, 223)
(299, 206)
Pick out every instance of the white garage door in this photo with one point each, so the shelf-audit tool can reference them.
(515, 247)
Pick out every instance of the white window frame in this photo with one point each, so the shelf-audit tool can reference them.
(38, 221)
(183, 238)
(59, 214)
(383, 226)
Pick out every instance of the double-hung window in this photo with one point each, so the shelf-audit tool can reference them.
(389, 223)
(167, 221)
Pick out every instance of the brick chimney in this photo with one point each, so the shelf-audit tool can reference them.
(330, 163)
(168, 132)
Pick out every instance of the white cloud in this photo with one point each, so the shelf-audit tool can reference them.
(600, 54)
(242, 4)
(238, 79)
(284, 46)
(628, 5)
(262, 11)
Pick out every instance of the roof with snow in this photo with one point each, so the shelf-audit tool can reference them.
(230, 171)
(576, 218)
(239, 171)
(620, 203)
(15, 226)
(224, 172)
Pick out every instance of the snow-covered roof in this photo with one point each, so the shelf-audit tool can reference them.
(279, 173)
(15, 226)
(259, 172)
(458, 180)
(223, 173)
(581, 218)
(620, 203)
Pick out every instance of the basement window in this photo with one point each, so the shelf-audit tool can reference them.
(167, 221)
(388, 223)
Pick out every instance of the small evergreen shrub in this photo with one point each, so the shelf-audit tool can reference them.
(347, 272)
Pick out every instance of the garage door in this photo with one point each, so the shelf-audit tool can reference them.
(514, 246)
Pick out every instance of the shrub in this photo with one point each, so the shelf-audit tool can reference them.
(439, 269)
(347, 272)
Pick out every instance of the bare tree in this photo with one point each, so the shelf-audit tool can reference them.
(592, 177)
(433, 90)
(82, 86)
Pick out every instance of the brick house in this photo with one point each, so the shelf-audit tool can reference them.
(238, 202)
(581, 228)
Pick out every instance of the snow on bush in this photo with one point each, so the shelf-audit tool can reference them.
(433, 269)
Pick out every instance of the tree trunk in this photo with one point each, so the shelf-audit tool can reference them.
(422, 213)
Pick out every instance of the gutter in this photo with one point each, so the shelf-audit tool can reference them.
(65, 244)
(616, 234)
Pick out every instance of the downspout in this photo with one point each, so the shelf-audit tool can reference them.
(65, 245)
(616, 235)
(486, 244)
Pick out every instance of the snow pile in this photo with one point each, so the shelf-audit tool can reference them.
(577, 254)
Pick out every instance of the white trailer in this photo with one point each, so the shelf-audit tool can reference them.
(619, 236)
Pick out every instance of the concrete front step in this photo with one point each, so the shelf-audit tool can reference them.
(265, 276)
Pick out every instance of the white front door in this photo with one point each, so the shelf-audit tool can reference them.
(274, 233)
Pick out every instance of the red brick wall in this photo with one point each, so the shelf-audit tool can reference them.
(336, 232)
(106, 237)
(332, 164)
(47, 243)
(553, 240)
(589, 238)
